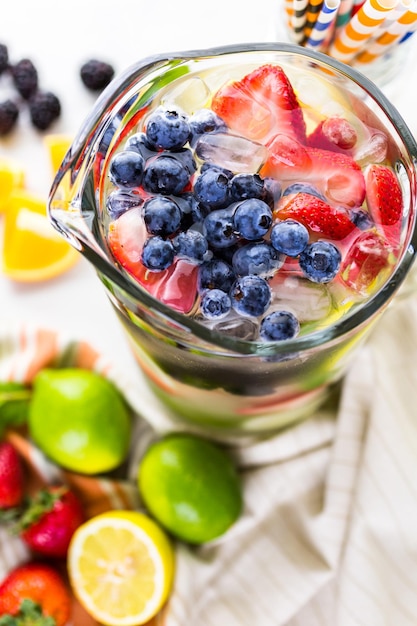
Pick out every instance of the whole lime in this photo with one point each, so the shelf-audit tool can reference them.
(79, 419)
(191, 487)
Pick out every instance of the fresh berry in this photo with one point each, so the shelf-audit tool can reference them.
(259, 259)
(252, 219)
(289, 237)
(186, 157)
(302, 188)
(167, 129)
(25, 78)
(318, 216)
(126, 169)
(320, 261)
(41, 585)
(49, 521)
(121, 200)
(191, 245)
(162, 216)
(157, 253)
(383, 195)
(215, 304)
(44, 109)
(337, 176)
(219, 229)
(279, 326)
(4, 58)
(246, 186)
(165, 174)
(139, 143)
(250, 295)
(215, 274)
(361, 219)
(365, 260)
(261, 105)
(333, 133)
(11, 476)
(9, 114)
(204, 121)
(211, 187)
(96, 74)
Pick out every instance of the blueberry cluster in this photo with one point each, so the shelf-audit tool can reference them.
(44, 106)
(221, 220)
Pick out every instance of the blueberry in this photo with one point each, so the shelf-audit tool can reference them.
(157, 253)
(186, 157)
(44, 109)
(213, 166)
(9, 113)
(167, 129)
(162, 216)
(211, 188)
(139, 143)
(121, 200)
(215, 274)
(205, 121)
(250, 296)
(259, 259)
(245, 186)
(320, 261)
(361, 219)
(218, 228)
(191, 245)
(215, 304)
(252, 219)
(165, 174)
(126, 169)
(96, 74)
(304, 188)
(289, 237)
(279, 326)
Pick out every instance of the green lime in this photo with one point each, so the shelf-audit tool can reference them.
(191, 486)
(79, 419)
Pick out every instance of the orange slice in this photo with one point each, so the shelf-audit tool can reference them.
(12, 176)
(57, 146)
(32, 249)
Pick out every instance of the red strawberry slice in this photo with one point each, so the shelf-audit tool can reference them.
(383, 195)
(364, 262)
(333, 133)
(261, 105)
(176, 286)
(337, 176)
(317, 215)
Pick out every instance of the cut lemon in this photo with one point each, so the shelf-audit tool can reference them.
(121, 567)
(57, 146)
(12, 176)
(32, 249)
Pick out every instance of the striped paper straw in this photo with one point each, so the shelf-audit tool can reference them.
(360, 29)
(344, 13)
(325, 21)
(386, 41)
(299, 18)
(313, 10)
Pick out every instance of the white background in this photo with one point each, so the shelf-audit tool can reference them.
(59, 37)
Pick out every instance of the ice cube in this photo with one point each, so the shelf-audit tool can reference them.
(231, 152)
(190, 95)
(308, 301)
(372, 150)
(236, 326)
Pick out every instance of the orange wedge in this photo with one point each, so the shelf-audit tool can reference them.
(12, 176)
(57, 146)
(32, 249)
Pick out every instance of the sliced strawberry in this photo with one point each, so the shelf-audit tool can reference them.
(333, 133)
(176, 286)
(365, 260)
(383, 195)
(261, 105)
(337, 176)
(317, 215)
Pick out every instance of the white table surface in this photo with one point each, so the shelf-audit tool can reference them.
(59, 37)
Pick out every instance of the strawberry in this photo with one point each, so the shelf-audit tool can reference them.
(364, 261)
(261, 105)
(333, 133)
(11, 476)
(383, 195)
(49, 521)
(35, 594)
(176, 286)
(317, 215)
(337, 176)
